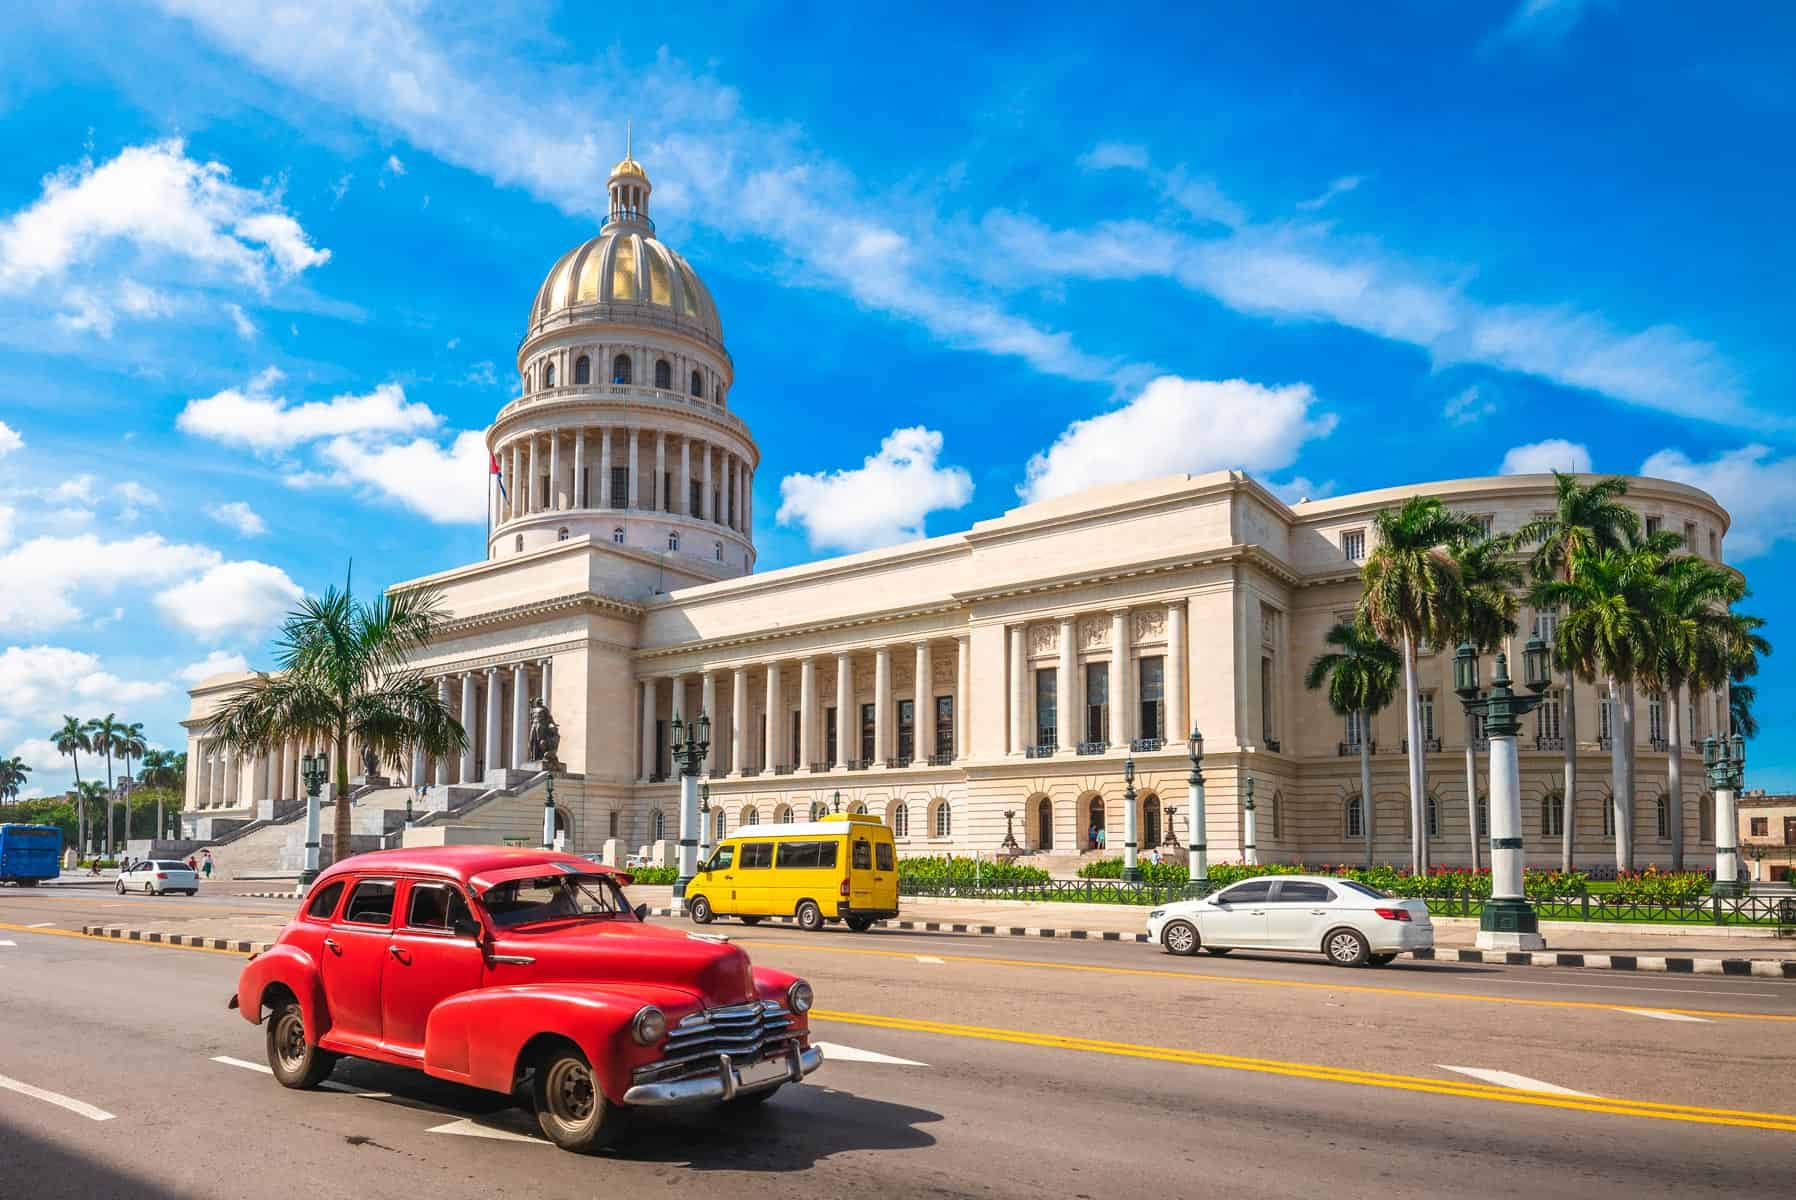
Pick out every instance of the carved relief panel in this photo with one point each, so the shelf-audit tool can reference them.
(1150, 624)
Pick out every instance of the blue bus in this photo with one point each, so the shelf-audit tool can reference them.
(29, 853)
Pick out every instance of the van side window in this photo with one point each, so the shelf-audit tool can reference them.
(807, 855)
(325, 902)
(757, 854)
(722, 859)
(863, 855)
(884, 852)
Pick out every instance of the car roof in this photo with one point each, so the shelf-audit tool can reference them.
(811, 829)
(1288, 879)
(460, 863)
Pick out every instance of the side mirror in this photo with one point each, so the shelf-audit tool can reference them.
(466, 927)
(641, 911)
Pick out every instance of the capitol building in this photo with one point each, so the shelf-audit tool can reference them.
(964, 687)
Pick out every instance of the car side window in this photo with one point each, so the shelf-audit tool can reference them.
(757, 854)
(1254, 891)
(371, 903)
(863, 856)
(324, 900)
(1303, 893)
(722, 859)
(883, 855)
(437, 906)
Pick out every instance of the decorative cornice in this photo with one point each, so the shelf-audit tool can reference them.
(826, 625)
(575, 603)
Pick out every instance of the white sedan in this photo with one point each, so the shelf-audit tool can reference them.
(1346, 922)
(158, 877)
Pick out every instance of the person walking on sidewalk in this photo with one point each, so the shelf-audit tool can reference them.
(206, 864)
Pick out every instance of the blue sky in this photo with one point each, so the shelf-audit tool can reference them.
(263, 270)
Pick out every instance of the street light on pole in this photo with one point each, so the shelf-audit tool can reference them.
(1197, 848)
(691, 742)
(1131, 871)
(706, 824)
(549, 808)
(1250, 853)
(1509, 921)
(1725, 761)
(313, 770)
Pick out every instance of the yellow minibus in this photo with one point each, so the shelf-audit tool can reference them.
(842, 868)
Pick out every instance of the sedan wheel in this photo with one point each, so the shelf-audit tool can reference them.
(1179, 937)
(1345, 948)
(570, 1109)
(149, 889)
(119, 887)
(296, 1063)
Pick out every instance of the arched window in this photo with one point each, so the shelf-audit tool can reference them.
(518, 547)
(718, 824)
(1150, 822)
(782, 815)
(1552, 814)
(698, 384)
(663, 374)
(561, 534)
(583, 370)
(673, 539)
(656, 822)
(617, 535)
(750, 816)
(944, 820)
(1278, 815)
(818, 811)
(718, 546)
(901, 820)
(1663, 810)
(620, 369)
(549, 375)
(1355, 817)
(858, 808)
(1434, 818)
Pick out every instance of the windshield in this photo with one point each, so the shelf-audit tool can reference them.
(553, 898)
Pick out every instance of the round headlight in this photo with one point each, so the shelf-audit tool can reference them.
(798, 997)
(650, 1026)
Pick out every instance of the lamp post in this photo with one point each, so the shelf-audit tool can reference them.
(1509, 921)
(1725, 761)
(836, 804)
(313, 770)
(549, 808)
(1250, 853)
(1197, 849)
(1131, 871)
(691, 741)
(707, 826)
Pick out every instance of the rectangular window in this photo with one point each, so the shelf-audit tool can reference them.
(1655, 719)
(1547, 716)
(1151, 673)
(1602, 717)
(695, 497)
(1714, 546)
(907, 728)
(1427, 706)
(1353, 729)
(435, 906)
(611, 825)
(797, 743)
(1690, 536)
(861, 856)
(1353, 544)
(620, 487)
(1266, 729)
(1761, 827)
(806, 855)
(882, 854)
(1097, 702)
(547, 502)
(666, 496)
(1546, 625)
(585, 485)
(868, 728)
(661, 750)
(1654, 524)
(1486, 521)
(1790, 831)
(760, 749)
(829, 736)
(944, 726)
(1047, 709)
(756, 855)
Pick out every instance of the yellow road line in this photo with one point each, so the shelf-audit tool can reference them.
(1781, 1122)
(1257, 981)
(111, 941)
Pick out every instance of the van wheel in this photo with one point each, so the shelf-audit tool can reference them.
(859, 924)
(810, 917)
(296, 1063)
(571, 1110)
(747, 919)
(699, 909)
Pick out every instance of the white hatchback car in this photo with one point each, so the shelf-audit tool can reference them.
(158, 877)
(1346, 922)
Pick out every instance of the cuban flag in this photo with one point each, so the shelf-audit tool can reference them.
(496, 473)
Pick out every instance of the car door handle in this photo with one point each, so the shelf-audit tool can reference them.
(399, 954)
(1256, 912)
(1318, 912)
(331, 945)
(521, 960)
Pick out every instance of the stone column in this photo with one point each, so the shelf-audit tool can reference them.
(443, 760)
(495, 709)
(634, 498)
(529, 484)
(604, 468)
(546, 668)
(738, 717)
(233, 782)
(661, 504)
(707, 701)
(1122, 724)
(775, 715)
(554, 504)
(651, 703)
(847, 719)
(580, 468)
(707, 509)
(468, 726)
(520, 714)
(677, 709)
(1066, 728)
(748, 499)
(882, 704)
(1019, 702)
(684, 501)
(1178, 726)
(923, 707)
(417, 775)
(741, 496)
(963, 688)
(807, 713)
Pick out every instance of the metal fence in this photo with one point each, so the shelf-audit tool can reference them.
(1090, 891)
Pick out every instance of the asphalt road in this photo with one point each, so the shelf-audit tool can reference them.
(1031, 1069)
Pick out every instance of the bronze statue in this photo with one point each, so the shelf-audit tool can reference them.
(545, 735)
(370, 762)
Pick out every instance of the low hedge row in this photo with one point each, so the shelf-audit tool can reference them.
(1441, 883)
(936, 871)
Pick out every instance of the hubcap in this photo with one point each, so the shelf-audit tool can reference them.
(570, 1092)
(290, 1041)
(1179, 938)
(1343, 948)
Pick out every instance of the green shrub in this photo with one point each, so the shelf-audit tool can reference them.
(653, 876)
(960, 872)
(1666, 887)
(1443, 883)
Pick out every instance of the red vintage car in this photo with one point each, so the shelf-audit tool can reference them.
(501, 968)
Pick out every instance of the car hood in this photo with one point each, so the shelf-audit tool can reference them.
(631, 954)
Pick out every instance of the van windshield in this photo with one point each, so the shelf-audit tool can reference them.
(553, 898)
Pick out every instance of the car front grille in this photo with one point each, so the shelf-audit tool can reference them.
(746, 1032)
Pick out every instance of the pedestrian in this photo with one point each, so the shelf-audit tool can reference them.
(1101, 841)
(1092, 836)
(206, 865)
(191, 864)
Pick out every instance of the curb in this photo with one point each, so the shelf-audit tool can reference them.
(265, 895)
(1759, 968)
(118, 933)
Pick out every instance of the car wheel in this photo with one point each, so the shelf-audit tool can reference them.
(149, 889)
(1218, 951)
(699, 910)
(296, 1063)
(119, 887)
(1180, 937)
(571, 1110)
(810, 917)
(1345, 948)
(859, 924)
(749, 920)
(1382, 960)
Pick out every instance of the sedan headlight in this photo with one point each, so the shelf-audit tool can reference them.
(649, 1025)
(798, 997)
(1156, 914)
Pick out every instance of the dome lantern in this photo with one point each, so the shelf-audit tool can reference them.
(629, 187)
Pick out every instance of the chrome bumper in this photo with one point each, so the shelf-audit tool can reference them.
(729, 1080)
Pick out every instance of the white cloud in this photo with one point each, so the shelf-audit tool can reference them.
(77, 489)
(133, 498)
(1553, 454)
(884, 500)
(394, 166)
(1177, 426)
(7, 519)
(1758, 491)
(231, 600)
(253, 416)
(1468, 407)
(39, 683)
(246, 328)
(238, 516)
(46, 576)
(9, 440)
(1338, 187)
(215, 663)
(446, 485)
(1108, 155)
(40, 754)
(1544, 21)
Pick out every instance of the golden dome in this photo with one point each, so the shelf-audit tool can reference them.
(629, 166)
(626, 266)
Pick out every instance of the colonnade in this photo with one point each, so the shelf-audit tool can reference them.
(554, 472)
(1125, 641)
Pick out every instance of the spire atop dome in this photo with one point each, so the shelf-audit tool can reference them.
(629, 186)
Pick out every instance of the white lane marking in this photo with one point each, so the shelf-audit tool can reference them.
(1666, 1016)
(1622, 987)
(833, 1052)
(41, 925)
(328, 1084)
(5, 943)
(247, 1065)
(1511, 1080)
(929, 958)
(469, 1127)
(78, 1107)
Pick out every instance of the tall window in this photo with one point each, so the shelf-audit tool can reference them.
(1353, 544)
(1546, 624)
(1663, 813)
(620, 487)
(901, 820)
(797, 725)
(1552, 814)
(1655, 718)
(583, 370)
(1484, 816)
(1705, 819)
(621, 370)
(944, 726)
(549, 376)
(1267, 731)
(1548, 714)
(1653, 525)
(1151, 673)
(1608, 816)
(1714, 546)
(666, 504)
(663, 374)
(1690, 536)
(1097, 702)
(907, 729)
(829, 736)
(1485, 522)
(1047, 718)
(1150, 821)
(944, 819)
(1602, 717)
(1427, 707)
(867, 731)
(1434, 817)
(698, 384)
(1355, 817)
(695, 496)
(1355, 729)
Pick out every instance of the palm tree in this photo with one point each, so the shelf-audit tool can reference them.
(87, 796)
(343, 675)
(104, 733)
(1361, 677)
(12, 777)
(1586, 519)
(1411, 594)
(1489, 577)
(157, 770)
(71, 739)
(130, 745)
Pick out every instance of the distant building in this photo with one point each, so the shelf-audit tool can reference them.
(1768, 836)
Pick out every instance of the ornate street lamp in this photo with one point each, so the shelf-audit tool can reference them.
(706, 824)
(692, 740)
(1250, 853)
(1725, 761)
(1131, 872)
(314, 769)
(836, 804)
(1509, 921)
(1009, 846)
(549, 807)
(1197, 849)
